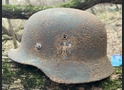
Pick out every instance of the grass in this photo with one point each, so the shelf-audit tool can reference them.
(7, 73)
(115, 84)
(32, 78)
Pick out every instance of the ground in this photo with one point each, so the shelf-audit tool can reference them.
(24, 77)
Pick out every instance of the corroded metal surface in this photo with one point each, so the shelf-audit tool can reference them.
(68, 45)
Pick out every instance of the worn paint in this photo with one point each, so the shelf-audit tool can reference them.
(68, 45)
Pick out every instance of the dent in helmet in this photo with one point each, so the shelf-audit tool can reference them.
(38, 46)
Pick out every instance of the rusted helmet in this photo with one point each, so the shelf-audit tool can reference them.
(68, 45)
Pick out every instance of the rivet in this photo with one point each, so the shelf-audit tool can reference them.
(38, 46)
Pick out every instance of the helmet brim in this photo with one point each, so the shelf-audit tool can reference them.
(67, 71)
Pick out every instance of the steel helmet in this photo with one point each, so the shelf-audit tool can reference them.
(68, 45)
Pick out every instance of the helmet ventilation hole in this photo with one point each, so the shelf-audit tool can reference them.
(65, 36)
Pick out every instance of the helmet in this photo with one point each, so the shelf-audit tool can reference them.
(68, 45)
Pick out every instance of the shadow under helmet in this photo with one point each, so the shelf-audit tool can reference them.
(68, 45)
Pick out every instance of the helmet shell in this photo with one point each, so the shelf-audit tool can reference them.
(68, 45)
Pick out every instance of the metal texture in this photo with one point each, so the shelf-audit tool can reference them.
(68, 45)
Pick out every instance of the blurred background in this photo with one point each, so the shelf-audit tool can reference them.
(21, 77)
